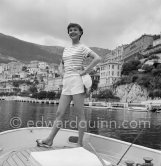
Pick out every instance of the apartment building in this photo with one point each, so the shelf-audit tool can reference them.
(15, 67)
(58, 84)
(110, 72)
(53, 68)
(133, 49)
(43, 65)
(3, 67)
(155, 48)
(33, 64)
(115, 55)
(50, 85)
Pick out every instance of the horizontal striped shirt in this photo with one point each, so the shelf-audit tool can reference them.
(73, 57)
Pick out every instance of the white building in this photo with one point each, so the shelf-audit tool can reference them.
(33, 64)
(50, 85)
(53, 68)
(43, 65)
(4, 67)
(115, 55)
(15, 67)
(24, 87)
(58, 83)
(33, 70)
(110, 72)
(23, 75)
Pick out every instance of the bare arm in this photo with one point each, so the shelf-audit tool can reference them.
(95, 61)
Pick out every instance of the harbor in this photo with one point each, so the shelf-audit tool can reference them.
(151, 105)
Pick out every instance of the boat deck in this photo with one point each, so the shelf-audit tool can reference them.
(21, 157)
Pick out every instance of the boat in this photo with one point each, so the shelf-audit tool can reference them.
(153, 105)
(18, 148)
(106, 105)
(137, 107)
(155, 108)
(119, 105)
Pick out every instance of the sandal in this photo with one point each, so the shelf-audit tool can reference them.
(40, 143)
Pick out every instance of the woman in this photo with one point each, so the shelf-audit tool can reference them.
(73, 87)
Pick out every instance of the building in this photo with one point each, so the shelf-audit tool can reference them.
(3, 67)
(115, 55)
(58, 84)
(110, 72)
(15, 67)
(132, 50)
(23, 75)
(50, 84)
(43, 65)
(155, 48)
(24, 87)
(54, 69)
(7, 88)
(33, 64)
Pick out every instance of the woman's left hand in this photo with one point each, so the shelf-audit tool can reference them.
(82, 72)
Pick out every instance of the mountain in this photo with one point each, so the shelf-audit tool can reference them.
(13, 49)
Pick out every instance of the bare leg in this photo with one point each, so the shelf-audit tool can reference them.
(63, 104)
(78, 106)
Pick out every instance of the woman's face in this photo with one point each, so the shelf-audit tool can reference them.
(74, 33)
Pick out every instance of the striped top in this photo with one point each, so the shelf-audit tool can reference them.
(73, 57)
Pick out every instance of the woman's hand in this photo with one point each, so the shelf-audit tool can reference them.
(82, 72)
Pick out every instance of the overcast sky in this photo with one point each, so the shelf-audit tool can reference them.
(106, 23)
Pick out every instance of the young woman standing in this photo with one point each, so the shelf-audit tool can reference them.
(73, 87)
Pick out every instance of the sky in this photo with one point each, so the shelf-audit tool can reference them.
(106, 23)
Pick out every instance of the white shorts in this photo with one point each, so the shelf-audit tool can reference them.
(72, 85)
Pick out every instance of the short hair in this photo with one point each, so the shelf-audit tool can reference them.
(75, 25)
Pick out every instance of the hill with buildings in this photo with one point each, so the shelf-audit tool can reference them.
(13, 49)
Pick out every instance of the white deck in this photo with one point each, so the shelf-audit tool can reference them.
(20, 157)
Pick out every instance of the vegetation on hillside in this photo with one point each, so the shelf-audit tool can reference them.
(147, 75)
(106, 95)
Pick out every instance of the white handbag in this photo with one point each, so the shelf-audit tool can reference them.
(87, 81)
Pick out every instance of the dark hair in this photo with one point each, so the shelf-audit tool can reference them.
(75, 25)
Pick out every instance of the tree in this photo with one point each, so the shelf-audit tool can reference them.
(156, 72)
(16, 84)
(130, 66)
(24, 68)
(94, 85)
(106, 94)
(134, 78)
(147, 68)
(51, 95)
(42, 95)
(33, 89)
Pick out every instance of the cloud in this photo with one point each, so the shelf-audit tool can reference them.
(106, 23)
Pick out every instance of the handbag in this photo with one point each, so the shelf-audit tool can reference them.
(87, 81)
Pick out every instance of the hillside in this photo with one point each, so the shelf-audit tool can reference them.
(145, 72)
(13, 49)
